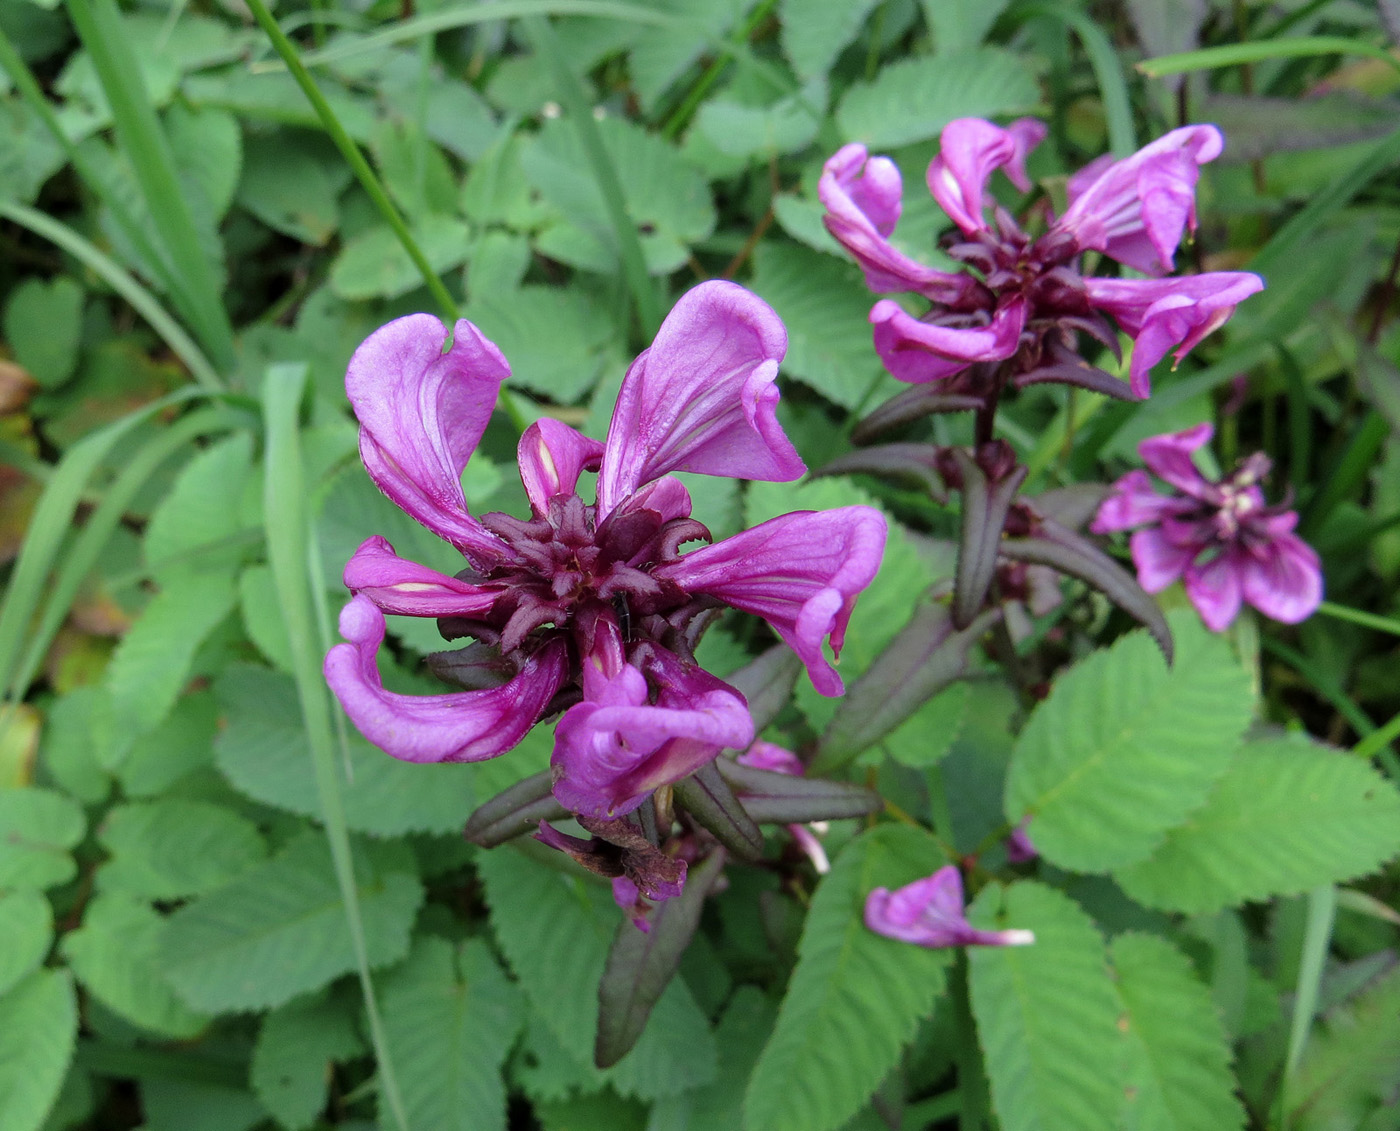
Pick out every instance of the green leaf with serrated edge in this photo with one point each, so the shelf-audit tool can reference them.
(204, 506)
(180, 746)
(65, 747)
(279, 930)
(413, 169)
(1125, 748)
(26, 926)
(374, 264)
(152, 663)
(1288, 816)
(43, 324)
(38, 1028)
(291, 187)
(815, 31)
(257, 602)
(1047, 1014)
(559, 971)
(563, 364)
(913, 100)
(37, 829)
(292, 1058)
(1349, 1068)
(929, 733)
(173, 848)
(174, 1104)
(208, 147)
(855, 997)
(116, 954)
(824, 305)
(262, 751)
(452, 1016)
(1179, 1057)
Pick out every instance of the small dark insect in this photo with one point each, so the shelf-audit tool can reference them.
(624, 615)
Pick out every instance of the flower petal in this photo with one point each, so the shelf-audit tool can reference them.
(1215, 588)
(409, 589)
(773, 758)
(702, 398)
(1282, 578)
(1169, 458)
(917, 352)
(970, 150)
(422, 413)
(801, 572)
(862, 196)
(1162, 313)
(1133, 503)
(1137, 209)
(613, 749)
(1159, 561)
(467, 726)
(929, 912)
(552, 456)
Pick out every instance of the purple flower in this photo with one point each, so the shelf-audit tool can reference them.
(1020, 849)
(929, 913)
(590, 608)
(1217, 536)
(1020, 302)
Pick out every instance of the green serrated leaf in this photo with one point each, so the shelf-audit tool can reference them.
(65, 749)
(279, 930)
(563, 364)
(178, 747)
(116, 955)
(855, 997)
(374, 263)
(1047, 1014)
(175, 1104)
(26, 925)
(172, 849)
(913, 100)
(559, 971)
(1349, 1069)
(1287, 817)
(928, 734)
(38, 827)
(204, 506)
(787, 125)
(452, 1016)
(257, 602)
(296, 1047)
(43, 324)
(815, 31)
(413, 169)
(208, 149)
(38, 1028)
(1125, 747)
(292, 186)
(1179, 1058)
(263, 752)
(824, 306)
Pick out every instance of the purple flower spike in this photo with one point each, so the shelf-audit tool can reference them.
(970, 150)
(917, 351)
(1217, 536)
(800, 572)
(1136, 210)
(422, 414)
(1164, 313)
(702, 398)
(930, 913)
(863, 195)
(469, 726)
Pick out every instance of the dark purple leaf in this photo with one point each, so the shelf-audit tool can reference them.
(706, 796)
(786, 799)
(641, 964)
(908, 406)
(1082, 376)
(912, 461)
(516, 810)
(984, 508)
(926, 656)
(766, 682)
(1071, 506)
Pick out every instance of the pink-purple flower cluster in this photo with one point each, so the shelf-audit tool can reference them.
(1021, 300)
(591, 609)
(1217, 536)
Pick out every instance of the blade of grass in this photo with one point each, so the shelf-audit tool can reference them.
(99, 26)
(1317, 939)
(115, 276)
(369, 182)
(288, 547)
(575, 101)
(1357, 616)
(1234, 54)
(1108, 73)
(426, 25)
(87, 547)
(49, 524)
(1347, 474)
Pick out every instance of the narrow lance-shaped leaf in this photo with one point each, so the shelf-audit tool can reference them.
(773, 798)
(985, 504)
(908, 461)
(641, 963)
(708, 798)
(766, 682)
(514, 811)
(909, 406)
(926, 656)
